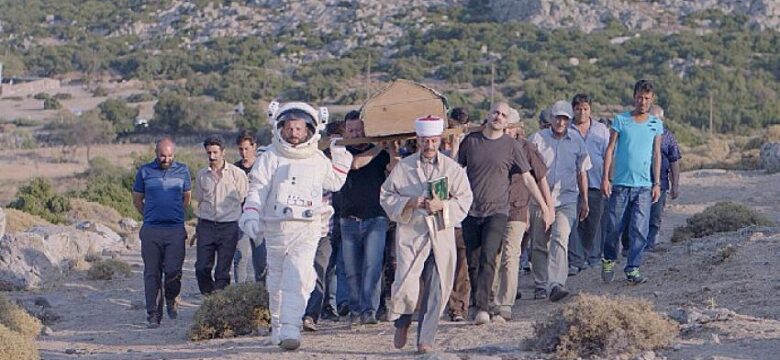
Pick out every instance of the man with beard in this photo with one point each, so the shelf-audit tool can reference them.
(219, 190)
(285, 194)
(160, 193)
(425, 238)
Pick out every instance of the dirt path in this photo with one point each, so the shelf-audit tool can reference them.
(100, 322)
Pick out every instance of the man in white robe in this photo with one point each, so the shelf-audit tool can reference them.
(425, 237)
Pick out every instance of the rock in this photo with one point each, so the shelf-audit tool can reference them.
(47, 331)
(2, 222)
(42, 302)
(715, 339)
(770, 157)
(100, 229)
(128, 225)
(44, 254)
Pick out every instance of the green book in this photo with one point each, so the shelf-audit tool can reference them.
(438, 186)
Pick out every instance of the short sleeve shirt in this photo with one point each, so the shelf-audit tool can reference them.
(565, 159)
(596, 141)
(519, 195)
(360, 194)
(163, 191)
(489, 162)
(634, 151)
(670, 152)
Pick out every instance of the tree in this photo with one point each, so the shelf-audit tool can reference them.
(86, 130)
(119, 114)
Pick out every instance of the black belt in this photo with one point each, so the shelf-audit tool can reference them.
(217, 222)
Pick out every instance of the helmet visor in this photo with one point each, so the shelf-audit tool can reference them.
(296, 114)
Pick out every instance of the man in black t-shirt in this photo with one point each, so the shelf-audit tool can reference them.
(490, 157)
(247, 149)
(363, 224)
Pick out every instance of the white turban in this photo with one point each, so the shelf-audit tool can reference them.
(429, 126)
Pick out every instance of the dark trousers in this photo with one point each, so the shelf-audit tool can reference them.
(458, 303)
(220, 239)
(162, 250)
(483, 237)
(321, 262)
(585, 241)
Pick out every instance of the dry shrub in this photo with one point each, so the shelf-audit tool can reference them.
(237, 310)
(16, 346)
(721, 217)
(16, 319)
(772, 134)
(603, 326)
(18, 221)
(88, 210)
(107, 269)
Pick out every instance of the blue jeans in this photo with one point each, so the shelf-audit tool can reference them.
(628, 206)
(656, 212)
(363, 248)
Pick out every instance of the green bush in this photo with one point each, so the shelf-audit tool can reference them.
(721, 217)
(99, 91)
(16, 346)
(140, 97)
(17, 319)
(38, 198)
(63, 96)
(107, 269)
(109, 185)
(603, 327)
(237, 310)
(51, 104)
(41, 96)
(118, 113)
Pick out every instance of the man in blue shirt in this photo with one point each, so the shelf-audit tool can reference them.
(585, 241)
(670, 178)
(161, 192)
(634, 143)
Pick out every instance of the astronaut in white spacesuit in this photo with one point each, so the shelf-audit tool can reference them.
(285, 201)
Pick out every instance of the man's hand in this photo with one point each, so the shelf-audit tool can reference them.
(656, 193)
(548, 214)
(434, 205)
(415, 202)
(194, 239)
(606, 188)
(674, 193)
(584, 210)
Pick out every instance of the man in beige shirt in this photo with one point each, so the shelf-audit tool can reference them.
(219, 191)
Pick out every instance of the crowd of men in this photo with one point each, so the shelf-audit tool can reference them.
(363, 232)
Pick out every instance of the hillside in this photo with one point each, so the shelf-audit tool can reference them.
(536, 51)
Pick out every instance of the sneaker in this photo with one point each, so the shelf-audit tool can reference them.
(172, 308)
(457, 318)
(634, 277)
(368, 318)
(290, 344)
(573, 270)
(329, 314)
(482, 318)
(557, 293)
(505, 312)
(607, 270)
(152, 322)
(343, 309)
(540, 294)
(308, 324)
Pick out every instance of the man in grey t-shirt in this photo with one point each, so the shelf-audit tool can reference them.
(490, 157)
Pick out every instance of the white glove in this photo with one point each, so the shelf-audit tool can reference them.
(341, 158)
(250, 222)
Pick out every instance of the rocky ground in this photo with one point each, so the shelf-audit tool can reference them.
(728, 297)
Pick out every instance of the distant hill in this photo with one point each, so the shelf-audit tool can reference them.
(536, 51)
